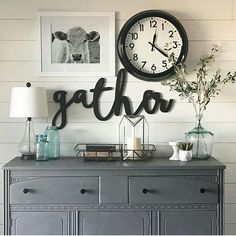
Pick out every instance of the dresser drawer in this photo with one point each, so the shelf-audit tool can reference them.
(172, 189)
(55, 190)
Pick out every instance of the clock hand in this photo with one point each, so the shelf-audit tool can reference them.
(154, 40)
(158, 49)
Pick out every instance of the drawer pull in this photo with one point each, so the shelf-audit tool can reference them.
(145, 191)
(82, 191)
(25, 190)
(202, 190)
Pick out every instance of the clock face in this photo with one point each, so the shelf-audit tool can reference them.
(146, 42)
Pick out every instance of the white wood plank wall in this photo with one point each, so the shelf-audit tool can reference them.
(206, 22)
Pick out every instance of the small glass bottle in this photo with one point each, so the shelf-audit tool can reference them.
(53, 142)
(41, 147)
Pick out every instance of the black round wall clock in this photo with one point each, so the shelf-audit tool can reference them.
(146, 41)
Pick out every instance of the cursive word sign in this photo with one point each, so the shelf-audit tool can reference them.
(80, 96)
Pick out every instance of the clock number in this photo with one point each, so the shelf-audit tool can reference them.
(141, 27)
(171, 32)
(153, 68)
(134, 36)
(144, 63)
(131, 45)
(164, 63)
(175, 44)
(135, 57)
(163, 26)
(153, 23)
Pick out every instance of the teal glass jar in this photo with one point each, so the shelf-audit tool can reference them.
(53, 142)
(41, 147)
(202, 140)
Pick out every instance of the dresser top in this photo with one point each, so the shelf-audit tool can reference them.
(73, 163)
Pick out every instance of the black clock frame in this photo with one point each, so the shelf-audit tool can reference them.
(121, 45)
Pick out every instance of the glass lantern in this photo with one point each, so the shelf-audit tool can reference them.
(134, 137)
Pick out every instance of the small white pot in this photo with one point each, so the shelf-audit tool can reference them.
(185, 155)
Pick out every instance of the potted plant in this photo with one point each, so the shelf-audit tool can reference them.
(185, 151)
(199, 92)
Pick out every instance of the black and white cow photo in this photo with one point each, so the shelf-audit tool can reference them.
(75, 44)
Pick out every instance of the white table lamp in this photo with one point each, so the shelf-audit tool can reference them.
(29, 102)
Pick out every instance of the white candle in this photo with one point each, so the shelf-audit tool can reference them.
(134, 143)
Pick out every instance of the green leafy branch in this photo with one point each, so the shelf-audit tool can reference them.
(205, 87)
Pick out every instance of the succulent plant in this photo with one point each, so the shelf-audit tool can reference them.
(186, 146)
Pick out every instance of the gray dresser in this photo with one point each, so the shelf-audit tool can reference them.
(71, 196)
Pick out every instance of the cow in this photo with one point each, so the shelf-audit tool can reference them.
(72, 47)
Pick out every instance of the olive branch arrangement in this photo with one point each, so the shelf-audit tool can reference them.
(205, 87)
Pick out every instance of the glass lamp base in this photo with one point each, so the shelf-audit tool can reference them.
(27, 144)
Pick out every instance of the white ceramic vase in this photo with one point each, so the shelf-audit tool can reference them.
(185, 155)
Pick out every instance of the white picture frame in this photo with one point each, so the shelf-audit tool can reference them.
(76, 44)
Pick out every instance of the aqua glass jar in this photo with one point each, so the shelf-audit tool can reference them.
(53, 142)
(41, 147)
(202, 140)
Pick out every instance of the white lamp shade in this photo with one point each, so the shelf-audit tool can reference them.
(28, 102)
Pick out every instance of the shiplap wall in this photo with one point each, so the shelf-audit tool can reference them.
(206, 22)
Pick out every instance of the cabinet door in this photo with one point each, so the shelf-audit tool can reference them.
(39, 223)
(115, 222)
(188, 222)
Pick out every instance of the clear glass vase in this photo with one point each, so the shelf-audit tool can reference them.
(202, 140)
